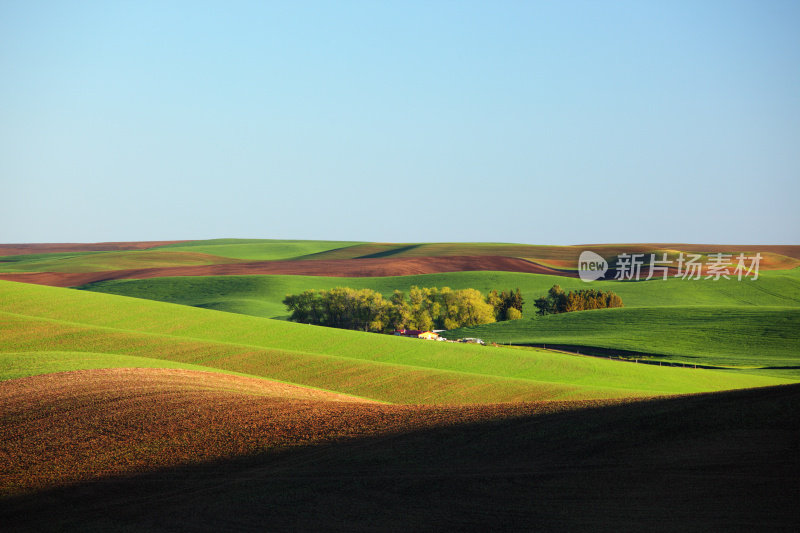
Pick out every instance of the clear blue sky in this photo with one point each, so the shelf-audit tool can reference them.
(536, 122)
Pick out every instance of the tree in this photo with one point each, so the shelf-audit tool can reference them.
(504, 301)
(368, 310)
(472, 309)
(612, 300)
(517, 301)
(512, 313)
(556, 301)
(304, 307)
(496, 301)
(543, 306)
(400, 311)
(419, 302)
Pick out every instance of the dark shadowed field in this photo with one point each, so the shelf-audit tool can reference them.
(714, 462)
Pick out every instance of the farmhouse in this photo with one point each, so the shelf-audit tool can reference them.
(417, 334)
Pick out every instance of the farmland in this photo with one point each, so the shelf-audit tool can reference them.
(236, 456)
(399, 267)
(783, 257)
(203, 416)
(104, 261)
(320, 258)
(258, 249)
(174, 386)
(262, 295)
(750, 337)
(15, 365)
(370, 365)
(728, 323)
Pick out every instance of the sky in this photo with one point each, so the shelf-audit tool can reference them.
(520, 121)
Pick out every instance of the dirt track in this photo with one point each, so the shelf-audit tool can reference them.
(402, 266)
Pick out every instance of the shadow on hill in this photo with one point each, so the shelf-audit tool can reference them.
(390, 252)
(725, 461)
(627, 355)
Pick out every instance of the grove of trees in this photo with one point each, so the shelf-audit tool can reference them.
(557, 301)
(423, 308)
(507, 305)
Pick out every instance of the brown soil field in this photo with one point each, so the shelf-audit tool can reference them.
(46, 248)
(122, 421)
(92, 451)
(788, 250)
(390, 266)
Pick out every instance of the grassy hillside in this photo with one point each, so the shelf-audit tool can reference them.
(722, 323)
(8, 260)
(719, 335)
(14, 365)
(37, 318)
(258, 249)
(262, 295)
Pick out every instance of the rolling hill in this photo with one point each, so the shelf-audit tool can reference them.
(85, 262)
(118, 421)
(755, 337)
(163, 451)
(122, 410)
(39, 319)
(262, 295)
(259, 249)
(322, 258)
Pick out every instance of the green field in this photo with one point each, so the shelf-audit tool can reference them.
(370, 250)
(15, 365)
(567, 253)
(262, 295)
(102, 261)
(41, 319)
(258, 249)
(729, 323)
(39, 262)
(179, 254)
(748, 337)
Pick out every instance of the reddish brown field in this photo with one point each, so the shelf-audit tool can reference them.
(47, 248)
(390, 266)
(145, 450)
(122, 421)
